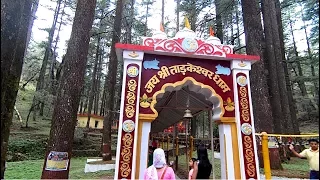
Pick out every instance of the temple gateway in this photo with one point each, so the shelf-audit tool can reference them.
(155, 71)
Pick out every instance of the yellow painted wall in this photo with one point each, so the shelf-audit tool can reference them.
(82, 122)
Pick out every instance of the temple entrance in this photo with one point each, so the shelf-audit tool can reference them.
(175, 131)
(162, 78)
(171, 104)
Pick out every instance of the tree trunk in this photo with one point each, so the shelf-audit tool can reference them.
(162, 12)
(307, 107)
(237, 22)
(292, 110)
(94, 82)
(18, 114)
(30, 110)
(193, 16)
(32, 18)
(53, 82)
(41, 79)
(256, 46)
(59, 71)
(65, 111)
(280, 63)
(111, 80)
(15, 17)
(129, 40)
(269, 13)
(29, 80)
(255, 43)
(97, 88)
(80, 107)
(315, 82)
(146, 23)
(103, 99)
(219, 30)
(178, 10)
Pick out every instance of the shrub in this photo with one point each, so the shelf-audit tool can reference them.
(25, 149)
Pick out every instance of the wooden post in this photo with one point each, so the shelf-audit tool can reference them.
(162, 145)
(168, 141)
(186, 141)
(211, 135)
(177, 152)
(191, 147)
(265, 154)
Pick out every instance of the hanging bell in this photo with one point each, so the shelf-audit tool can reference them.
(187, 114)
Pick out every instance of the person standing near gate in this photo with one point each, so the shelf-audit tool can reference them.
(193, 164)
(312, 154)
(204, 165)
(159, 169)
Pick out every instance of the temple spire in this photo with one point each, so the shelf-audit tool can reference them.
(161, 27)
(211, 31)
(186, 23)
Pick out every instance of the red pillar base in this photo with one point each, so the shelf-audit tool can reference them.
(106, 152)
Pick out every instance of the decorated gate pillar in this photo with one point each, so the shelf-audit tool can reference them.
(126, 158)
(238, 150)
(206, 67)
(244, 120)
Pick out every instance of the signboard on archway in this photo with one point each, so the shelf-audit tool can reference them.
(162, 64)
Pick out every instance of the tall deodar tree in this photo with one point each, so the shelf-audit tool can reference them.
(65, 109)
(111, 82)
(15, 18)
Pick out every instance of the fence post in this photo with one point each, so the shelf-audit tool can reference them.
(162, 145)
(177, 152)
(265, 154)
(191, 147)
(168, 141)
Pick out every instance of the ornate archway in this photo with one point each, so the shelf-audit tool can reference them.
(183, 90)
(161, 65)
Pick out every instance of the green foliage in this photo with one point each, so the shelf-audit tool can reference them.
(192, 10)
(311, 13)
(26, 149)
(215, 130)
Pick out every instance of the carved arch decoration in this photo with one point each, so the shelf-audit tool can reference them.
(160, 74)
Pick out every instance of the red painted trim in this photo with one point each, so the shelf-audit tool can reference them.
(134, 47)
(91, 115)
(243, 57)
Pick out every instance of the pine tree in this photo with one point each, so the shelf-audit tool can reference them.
(67, 103)
(15, 18)
(111, 82)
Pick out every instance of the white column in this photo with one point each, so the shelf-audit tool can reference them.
(222, 152)
(226, 152)
(129, 57)
(244, 67)
(146, 127)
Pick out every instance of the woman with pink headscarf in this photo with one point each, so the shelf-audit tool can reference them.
(159, 169)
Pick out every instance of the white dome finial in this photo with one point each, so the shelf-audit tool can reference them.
(160, 34)
(212, 39)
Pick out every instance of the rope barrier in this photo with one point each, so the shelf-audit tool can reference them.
(284, 135)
